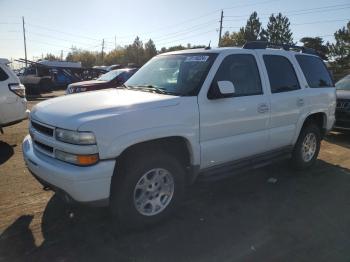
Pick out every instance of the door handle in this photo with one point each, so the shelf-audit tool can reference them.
(263, 108)
(300, 102)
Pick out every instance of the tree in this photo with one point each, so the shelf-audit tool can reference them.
(116, 56)
(87, 58)
(150, 50)
(340, 52)
(233, 39)
(172, 48)
(278, 30)
(135, 52)
(253, 28)
(251, 32)
(317, 44)
(51, 57)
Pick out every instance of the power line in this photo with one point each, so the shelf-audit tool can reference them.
(293, 13)
(307, 23)
(188, 37)
(57, 38)
(184, 32)
(199, 17)
(61, 32)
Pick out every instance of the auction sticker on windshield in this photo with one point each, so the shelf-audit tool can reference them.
(197, 58)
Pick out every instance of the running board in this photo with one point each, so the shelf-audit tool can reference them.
(241, 165)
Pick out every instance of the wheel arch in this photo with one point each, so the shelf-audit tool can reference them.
(319, 118)
(178, 146)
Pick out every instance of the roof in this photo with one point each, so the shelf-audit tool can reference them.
(219, 50)
(4, 61)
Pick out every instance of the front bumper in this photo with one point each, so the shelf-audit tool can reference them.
(342, 120)
(89, 184)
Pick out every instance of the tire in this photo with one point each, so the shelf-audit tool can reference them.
(301, 159)
(124, 195)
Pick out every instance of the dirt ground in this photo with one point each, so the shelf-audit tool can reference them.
(304, 216)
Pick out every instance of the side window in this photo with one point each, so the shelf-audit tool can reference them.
(3, 75)
(281, 74)
(242, 71)
(315, 71)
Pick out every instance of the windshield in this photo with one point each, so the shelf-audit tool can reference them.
(343, 84)
(181, 74)
(110, 75)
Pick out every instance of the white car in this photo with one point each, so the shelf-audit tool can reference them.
(202, 112)
(13, 104)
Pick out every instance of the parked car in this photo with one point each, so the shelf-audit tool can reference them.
(113, 78)
(342, 113)
(13, 104)
(201, 112)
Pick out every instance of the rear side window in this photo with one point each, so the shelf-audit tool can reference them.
(3, 75)
(281, 74)
(243, 72)
(315, 71)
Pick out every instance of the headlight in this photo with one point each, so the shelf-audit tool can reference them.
(75, 137)
(81, 160)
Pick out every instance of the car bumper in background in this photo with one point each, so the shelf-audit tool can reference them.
(342, 120)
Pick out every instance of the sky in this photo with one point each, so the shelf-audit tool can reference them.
(56, 26)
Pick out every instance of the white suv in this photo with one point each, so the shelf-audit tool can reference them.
(182, 115)
(13, 104)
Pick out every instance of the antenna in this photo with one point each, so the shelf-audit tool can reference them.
(208, 47)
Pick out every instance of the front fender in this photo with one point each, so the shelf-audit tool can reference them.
(124, 141)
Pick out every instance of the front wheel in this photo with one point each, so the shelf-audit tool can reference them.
(307, 147)
(148, 189)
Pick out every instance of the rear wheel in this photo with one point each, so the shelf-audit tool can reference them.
(307, 147)
(146, 190)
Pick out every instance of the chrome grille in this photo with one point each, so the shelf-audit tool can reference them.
(42, 136)
(343, 104)
(46, 148)
(42, 128)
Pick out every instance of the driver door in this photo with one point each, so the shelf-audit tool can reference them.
(235, 127)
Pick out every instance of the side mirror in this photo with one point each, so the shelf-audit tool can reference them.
(221, 89)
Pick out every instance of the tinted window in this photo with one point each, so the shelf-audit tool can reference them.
(3, 75)
(281, 74)
(243, 72)
(315, 71)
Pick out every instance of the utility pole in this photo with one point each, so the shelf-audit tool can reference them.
(103, 46)
(61, 55)
(115, 42)
(220, 31)
(24, 39)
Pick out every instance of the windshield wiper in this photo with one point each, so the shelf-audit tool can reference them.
(156, 89)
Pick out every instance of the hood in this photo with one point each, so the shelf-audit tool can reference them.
(72, 111)
(88, 83)
(343, 94)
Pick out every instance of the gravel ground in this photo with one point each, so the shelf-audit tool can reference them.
(297, 216)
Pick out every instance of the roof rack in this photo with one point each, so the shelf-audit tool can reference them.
(286, 47)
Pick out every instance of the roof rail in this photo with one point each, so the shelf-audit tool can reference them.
(287, 47)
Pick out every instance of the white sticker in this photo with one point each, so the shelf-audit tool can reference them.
(197, 58)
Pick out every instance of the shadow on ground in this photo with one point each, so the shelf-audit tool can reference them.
(6, 151)
(339, 138)
(304, 216)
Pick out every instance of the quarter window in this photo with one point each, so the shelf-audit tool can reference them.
(281, 74)
(315, 71)
(3, 75)
(242, 71)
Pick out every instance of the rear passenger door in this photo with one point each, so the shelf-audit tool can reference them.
(286, 96)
